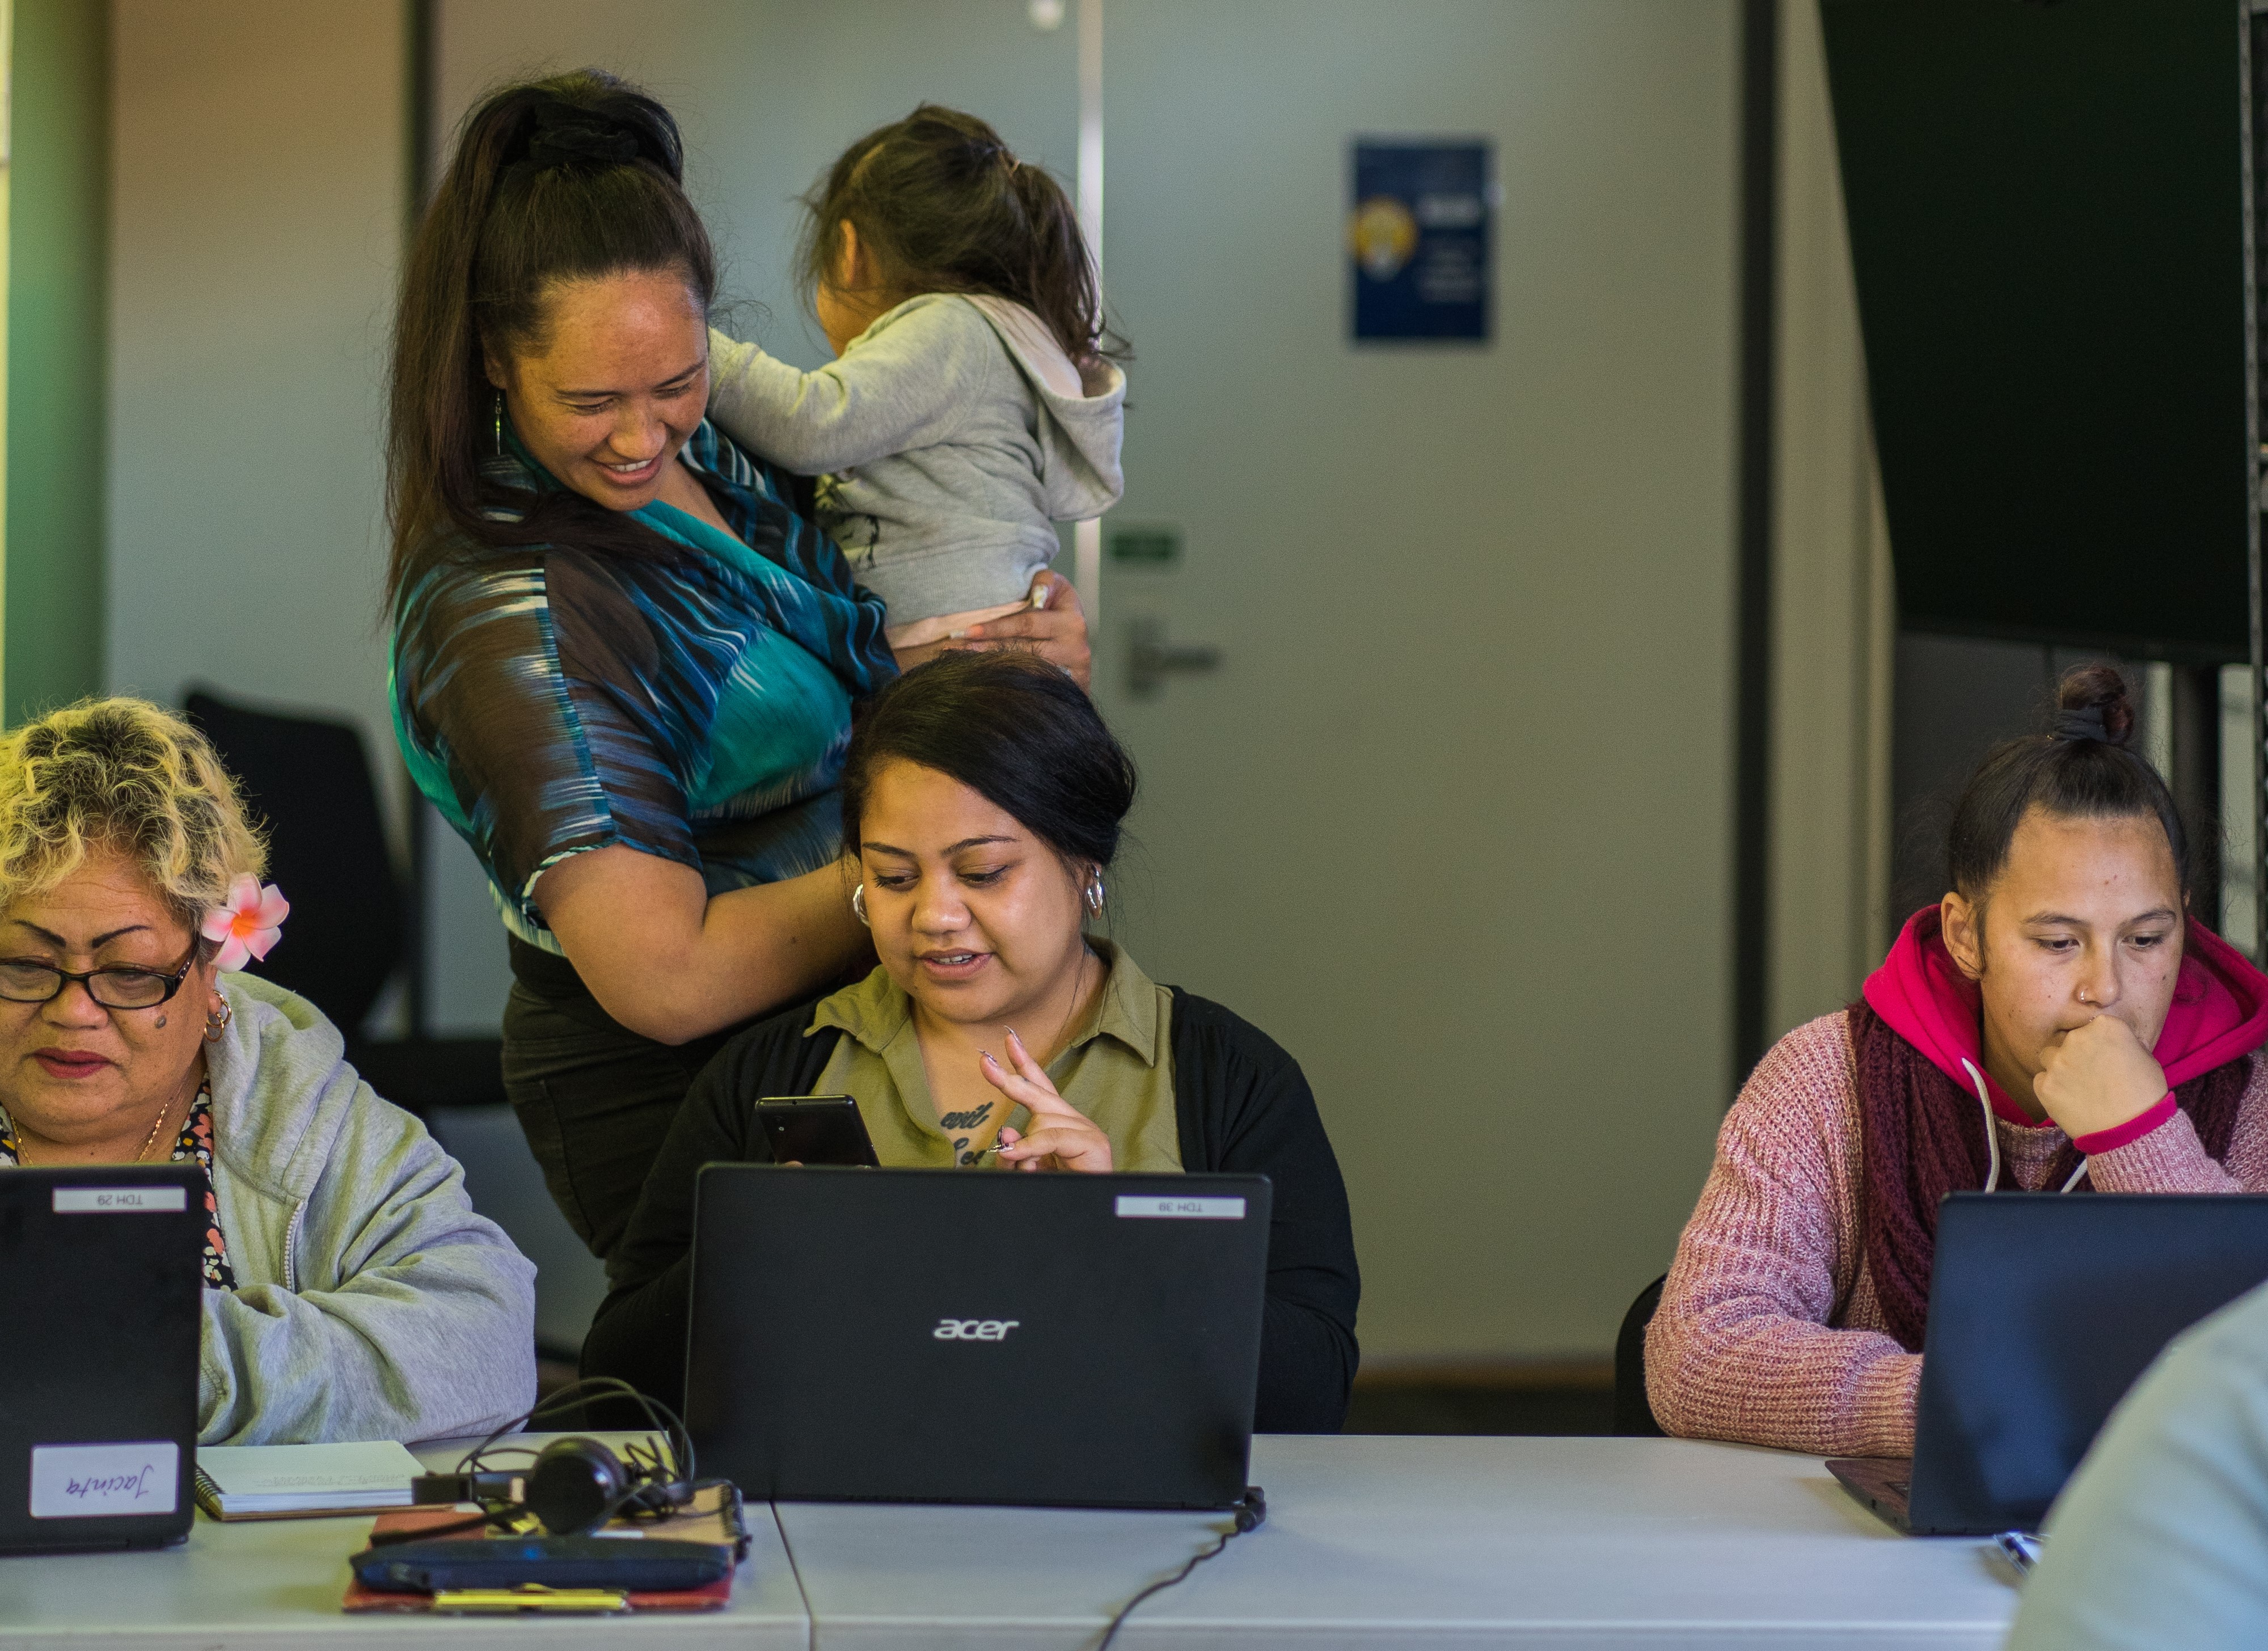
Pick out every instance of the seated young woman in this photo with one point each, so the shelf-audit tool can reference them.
(350, 1291)
(982, 801)
(2057, 1022)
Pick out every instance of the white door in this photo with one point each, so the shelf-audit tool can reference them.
(1451, 821)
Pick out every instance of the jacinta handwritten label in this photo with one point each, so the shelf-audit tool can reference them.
(105, 1481)
(119, 1200)
(1172, 1209)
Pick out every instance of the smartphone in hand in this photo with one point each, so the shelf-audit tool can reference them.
(817, 1128)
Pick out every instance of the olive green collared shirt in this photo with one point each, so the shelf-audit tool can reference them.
(1118, 1071)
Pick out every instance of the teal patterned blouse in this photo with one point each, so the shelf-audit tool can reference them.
(551, 700)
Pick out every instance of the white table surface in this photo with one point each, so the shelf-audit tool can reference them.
(1571, 1544)
(1379, 1542)
(275, 1585)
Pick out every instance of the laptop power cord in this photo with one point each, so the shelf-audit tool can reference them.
(1251, 1511)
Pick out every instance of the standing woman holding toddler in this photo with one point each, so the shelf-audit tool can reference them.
(624, 656)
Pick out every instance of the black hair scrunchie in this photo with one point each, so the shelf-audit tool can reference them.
(571, 137)
(2086, 723)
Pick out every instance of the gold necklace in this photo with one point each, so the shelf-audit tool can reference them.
(23, 1156)
(156, 1124)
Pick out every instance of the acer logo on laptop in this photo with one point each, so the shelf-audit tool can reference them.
(974, 1329)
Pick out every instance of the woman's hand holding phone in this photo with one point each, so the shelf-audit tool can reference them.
(1062, 1137)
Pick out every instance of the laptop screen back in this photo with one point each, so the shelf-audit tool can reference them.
(2044, 1310)
(101, 1289)
(909, 1335)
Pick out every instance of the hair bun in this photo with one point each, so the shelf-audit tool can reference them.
(2092, 704)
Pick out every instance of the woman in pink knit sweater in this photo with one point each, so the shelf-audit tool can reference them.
(2056, 1022)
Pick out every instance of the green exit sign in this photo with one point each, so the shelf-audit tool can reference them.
(1146, 547)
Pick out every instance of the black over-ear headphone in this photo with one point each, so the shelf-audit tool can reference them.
(575, 1485)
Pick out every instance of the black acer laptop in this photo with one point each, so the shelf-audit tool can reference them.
(2043, 1309)
(101, 1285)
(879, 1335)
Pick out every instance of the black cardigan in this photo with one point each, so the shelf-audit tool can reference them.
(1242, 1106)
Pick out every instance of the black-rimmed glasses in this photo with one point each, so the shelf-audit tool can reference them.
(113, 986)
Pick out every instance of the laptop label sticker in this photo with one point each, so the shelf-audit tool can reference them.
(114, 1200)
(1172, 1209)
(105, 1481)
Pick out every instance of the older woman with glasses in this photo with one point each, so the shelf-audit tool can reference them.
(351, 1291)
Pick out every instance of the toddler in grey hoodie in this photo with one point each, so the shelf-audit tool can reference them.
(970, 406)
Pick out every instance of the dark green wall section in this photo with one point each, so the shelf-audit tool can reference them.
(58, 230)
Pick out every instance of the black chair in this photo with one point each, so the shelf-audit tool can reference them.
(308, 780)
(1633, 1415)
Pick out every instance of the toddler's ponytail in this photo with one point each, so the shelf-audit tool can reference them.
(945, 206)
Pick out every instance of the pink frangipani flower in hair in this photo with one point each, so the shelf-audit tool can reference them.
(249, 926)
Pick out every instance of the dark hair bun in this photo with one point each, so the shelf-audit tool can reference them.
(2092, 704)
(1010, 728)
(2081, 769)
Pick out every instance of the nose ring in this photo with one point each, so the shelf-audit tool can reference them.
(2083, 996)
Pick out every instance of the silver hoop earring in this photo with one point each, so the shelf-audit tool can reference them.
(1095, 895)
(858, 904)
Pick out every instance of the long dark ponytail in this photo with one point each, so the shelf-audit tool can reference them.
(577, 176)
(947, 208)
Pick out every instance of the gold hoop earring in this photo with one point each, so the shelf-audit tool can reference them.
(859, 906)
(217, 1021)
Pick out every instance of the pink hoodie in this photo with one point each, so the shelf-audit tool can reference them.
(1770, 1330)
(2220, 1011)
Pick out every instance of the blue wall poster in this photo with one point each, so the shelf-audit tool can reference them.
(1418, 239)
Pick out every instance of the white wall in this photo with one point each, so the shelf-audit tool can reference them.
(1835, 609)
(258, 190)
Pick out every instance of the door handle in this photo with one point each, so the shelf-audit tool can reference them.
(1151, 659)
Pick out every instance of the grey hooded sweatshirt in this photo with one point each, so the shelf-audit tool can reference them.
(951, 434)
(370, 1302)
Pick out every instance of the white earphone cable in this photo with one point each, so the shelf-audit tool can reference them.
(1992, 1128)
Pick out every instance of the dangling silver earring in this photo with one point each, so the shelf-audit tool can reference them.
(499, 423)
(1094, 896)
(858, 904)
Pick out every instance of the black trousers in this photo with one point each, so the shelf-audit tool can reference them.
(594, 1099)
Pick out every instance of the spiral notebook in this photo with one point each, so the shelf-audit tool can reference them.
(303, 1481)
